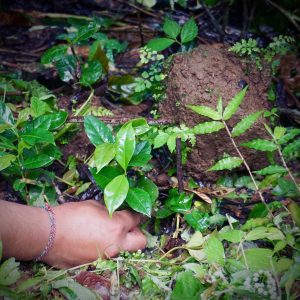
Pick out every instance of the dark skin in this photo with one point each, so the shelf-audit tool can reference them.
(84, 231)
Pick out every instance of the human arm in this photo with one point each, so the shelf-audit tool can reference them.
(84, 231)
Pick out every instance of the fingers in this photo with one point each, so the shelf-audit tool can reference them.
(129, 219)
(134, 241)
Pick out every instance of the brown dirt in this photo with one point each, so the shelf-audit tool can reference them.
(199, 78)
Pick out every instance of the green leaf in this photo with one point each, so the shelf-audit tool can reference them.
(227, 163)
(54, 54)
(207, 127)
(198, 220)
(234, 104)
(125, 145)
(171, 28)
(160, 139)
(189, 31)
(270, 233)
(6, 116)
(289, 277)
(147, 185)
(261, 145)
(160, 44)
(245, 124)
(206, 112)
(140, 201)
(86, 32)
(66, 68)
(36, 136)
(220, 106)
(274, 169)
(6, 160)
(102, 156)
(291, 148)
(105, 176)
(37, 161)
(115, 193)
(171, 142)
(187, 287)
(232, 235)
(214, 251)
(279, 132)
(38, 107)
(258, 259)
(31, 282)
(140, 126)
(97, 54)
(91, 73)
(97, 131)
(289, 136)
(50, 121)
(141, 155)
(9, 272)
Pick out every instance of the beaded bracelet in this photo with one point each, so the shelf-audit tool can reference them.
(51, 216)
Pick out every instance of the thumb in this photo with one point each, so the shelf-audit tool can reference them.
(134, 240)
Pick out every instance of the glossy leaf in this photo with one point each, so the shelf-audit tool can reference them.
(227, 163)
(115, 193)
(160, 139)
(50, 121)
(54, 54)
(105, 176)
(245, 124)
(140, 126)
(261, 145)
(97, 54)
(125, 145)
(66, 68)
(274, 169)
(36, 136)
(139, 200)
(189, 31)
(234, 104)
(38, 161)
(97, 131)
(206, 112)
(91, 73)
(207, 127)
(38, 107)
(86, 32)
(198, 220)
(102, 156)
(141, 155)
(214, 251)
(6, 116)
(171, 28)
(6, 160)
(147, 185)
(160, 44)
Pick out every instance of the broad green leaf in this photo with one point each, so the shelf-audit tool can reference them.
(31, 282)
(171, 28)
(289, 277)
(160, 44)
(140, 201)
(270, 233)
(141, 155)
(105, 176)
(86, 32)
(102, 156)
(9, 272)
(54, 54)
(245, 124)
(147, 185)
(291, 148)
(233, 235)
(198, 220)
(196, 241)
(189, 31)
(160, 139)
(227, 163)
(171, 142)
(97, 131)
(50, 121)
(207, 127)
(91, 73)
(6, 116)
(187, 287)
(38, 161)
(206, 112)
(66, 68)
(214, 251)
(115, 193)
(261, 145)
(140, 126)
(289, 136)
(38, 107)
(36, 136)
(97, 54)
(234, 104)
(258, 259)
(125, 145)
(274, 169)
(6, 160)
(279, 132)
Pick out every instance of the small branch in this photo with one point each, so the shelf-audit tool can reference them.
(179, 165)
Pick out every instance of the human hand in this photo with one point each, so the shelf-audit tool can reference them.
(84, 231)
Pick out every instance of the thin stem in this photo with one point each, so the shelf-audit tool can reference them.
(247, 167)
(172, 250)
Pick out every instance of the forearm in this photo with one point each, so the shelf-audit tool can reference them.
(24, 230)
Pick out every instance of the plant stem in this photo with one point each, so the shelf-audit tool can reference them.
(247, 167)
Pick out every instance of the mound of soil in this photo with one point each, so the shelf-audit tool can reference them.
(199, 78)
